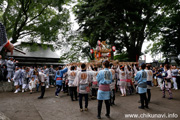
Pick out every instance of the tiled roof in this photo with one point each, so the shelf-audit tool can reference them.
(40, 53)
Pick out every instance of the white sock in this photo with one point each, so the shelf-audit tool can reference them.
(122, 92)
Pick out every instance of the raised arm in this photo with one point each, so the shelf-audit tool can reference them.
(64, 70)
(135, 70)
(76, 80)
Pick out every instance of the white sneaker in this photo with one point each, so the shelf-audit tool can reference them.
(9, 80)
(22, 90)
(19, 89)
(16, 91)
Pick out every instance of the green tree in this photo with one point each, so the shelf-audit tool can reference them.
(124, 23)
(74, 48)
(35, 20)
(170, 35)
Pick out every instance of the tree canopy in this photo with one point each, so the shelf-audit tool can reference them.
(123, 23)
(76, 49)
(41, 20)
(169, 39)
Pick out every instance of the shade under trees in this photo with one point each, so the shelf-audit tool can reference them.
(126, 24)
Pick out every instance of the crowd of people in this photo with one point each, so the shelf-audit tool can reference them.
(100, 82)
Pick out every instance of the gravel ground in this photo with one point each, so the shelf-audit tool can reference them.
(25, 106)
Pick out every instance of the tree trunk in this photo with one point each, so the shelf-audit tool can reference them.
(133, 54)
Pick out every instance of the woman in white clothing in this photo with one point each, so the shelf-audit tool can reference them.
(149, 81)
(122, 83)
(72, 88)
(174, 76)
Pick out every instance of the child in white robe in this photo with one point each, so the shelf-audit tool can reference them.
(32, 84)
